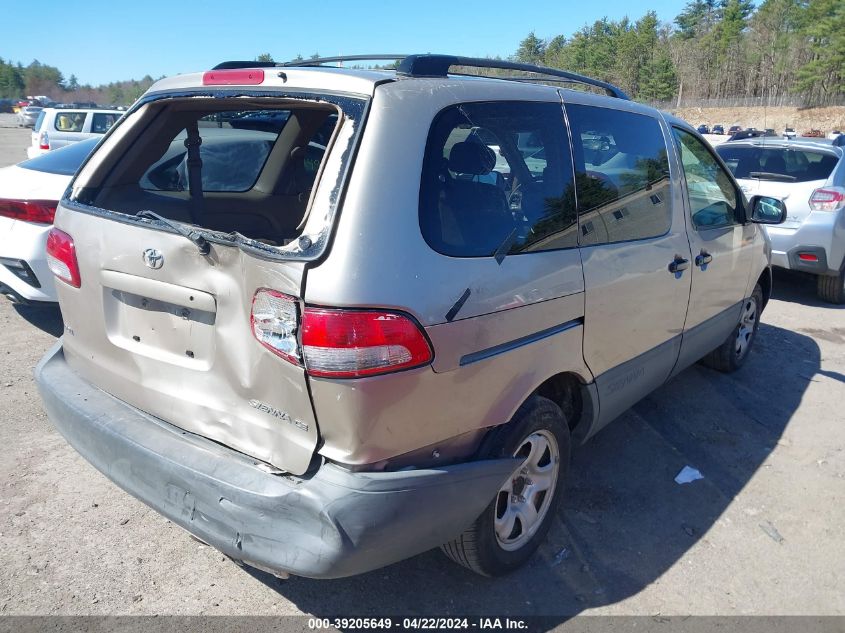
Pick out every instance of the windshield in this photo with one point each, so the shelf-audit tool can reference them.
(777, 163)
(64, 161)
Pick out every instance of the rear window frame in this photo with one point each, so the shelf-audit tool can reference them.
(354, 106)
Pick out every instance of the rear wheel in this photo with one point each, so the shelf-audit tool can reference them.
(731, 354)
(512, 527)
(831, 288)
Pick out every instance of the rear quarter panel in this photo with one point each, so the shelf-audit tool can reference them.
(379, 258)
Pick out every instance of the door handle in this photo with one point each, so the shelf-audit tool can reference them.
(678, 265)
(703, 259)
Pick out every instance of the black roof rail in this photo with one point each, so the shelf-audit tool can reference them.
(439, 65)
(243, 64)
(318, 61)
(428, 65)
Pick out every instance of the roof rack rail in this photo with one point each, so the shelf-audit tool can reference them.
(318, 61)
(439, 65)
(243, 64)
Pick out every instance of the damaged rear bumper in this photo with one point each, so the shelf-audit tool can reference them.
(330, 524)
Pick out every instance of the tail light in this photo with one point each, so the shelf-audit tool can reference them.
(828, 199)
(43, 141)
(351, 343)
(61, 257)
(275, 322)
(39, 211)
(337, 343)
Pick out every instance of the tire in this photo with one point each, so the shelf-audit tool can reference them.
(831, 288)
(732, 354)
(480, 548)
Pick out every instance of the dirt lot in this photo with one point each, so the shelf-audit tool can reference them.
(801, 119)
(762, 533)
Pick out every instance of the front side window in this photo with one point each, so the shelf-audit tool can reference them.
(69, 121)
(712, 195)
(621, 175)
(497, 179)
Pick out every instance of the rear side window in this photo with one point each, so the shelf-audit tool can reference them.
(777, 163)
(497, 179)
(622, 175)
(39, 121)
(69, 121)
(102, 122)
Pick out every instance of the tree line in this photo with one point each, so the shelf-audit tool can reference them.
(17, 80)
(714, 49)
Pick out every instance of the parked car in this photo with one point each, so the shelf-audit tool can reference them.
(28, 115)
(717, 129)
(6, 106)
(745, 134)
(813, 134)
(29, 193)
(835, 134)
(789, 133)
(58, 127)
(734, 129)
(703, 129)
(424, 384)
(810, 179)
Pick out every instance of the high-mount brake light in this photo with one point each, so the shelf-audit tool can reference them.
(61, 257)
(39, 211)
(233, 77)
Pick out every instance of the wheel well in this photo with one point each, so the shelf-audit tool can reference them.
(565, 391)
(765, 282)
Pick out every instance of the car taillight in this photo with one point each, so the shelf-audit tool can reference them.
(828, 199)
(61, 257)
(40, 211)
(43, 141)
(337, 343)
(233, 77)
(353, 343)
(275, 322)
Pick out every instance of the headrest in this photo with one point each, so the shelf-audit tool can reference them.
(470, 157)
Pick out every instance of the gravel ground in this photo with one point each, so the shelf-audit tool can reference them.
(762, 533)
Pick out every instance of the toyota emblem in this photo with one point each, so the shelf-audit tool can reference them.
(153, 258)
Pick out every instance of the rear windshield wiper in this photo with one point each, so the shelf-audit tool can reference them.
(199, 241)
(767, 175)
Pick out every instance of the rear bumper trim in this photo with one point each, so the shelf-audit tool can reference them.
(329, 524)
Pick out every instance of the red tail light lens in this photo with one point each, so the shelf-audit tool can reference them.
(233, 77)
(43, 141)
(61, 257)
(828, 199)
(39, 211)
(349, 344)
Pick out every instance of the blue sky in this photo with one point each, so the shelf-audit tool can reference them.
(110, 41)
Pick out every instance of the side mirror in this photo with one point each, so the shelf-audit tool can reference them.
(766, 210)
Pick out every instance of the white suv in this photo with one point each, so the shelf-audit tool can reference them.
(57, 127)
